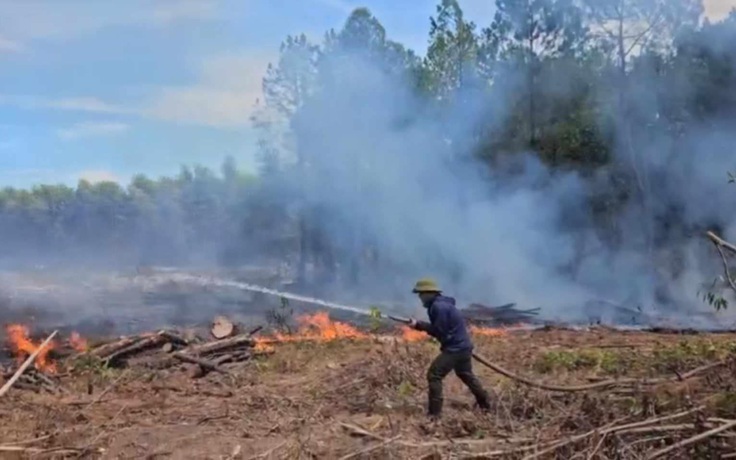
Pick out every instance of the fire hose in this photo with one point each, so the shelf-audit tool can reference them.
(575, 388)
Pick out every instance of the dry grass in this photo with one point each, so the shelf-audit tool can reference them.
(366, 399)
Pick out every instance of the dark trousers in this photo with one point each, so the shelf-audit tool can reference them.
(462, 364)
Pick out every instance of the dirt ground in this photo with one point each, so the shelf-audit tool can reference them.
(366, 399)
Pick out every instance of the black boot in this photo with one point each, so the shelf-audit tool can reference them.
(434, 409)
(483, 406)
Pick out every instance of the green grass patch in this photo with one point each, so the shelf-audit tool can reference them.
(663, 358)
(585, 359)
(689, 353)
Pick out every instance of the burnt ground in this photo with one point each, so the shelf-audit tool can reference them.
(366, 399)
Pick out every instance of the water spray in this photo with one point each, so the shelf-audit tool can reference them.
(210, 281)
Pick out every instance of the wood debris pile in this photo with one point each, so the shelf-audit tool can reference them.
(38, 369)
(505, 315)
(34, 380)
(167, 348)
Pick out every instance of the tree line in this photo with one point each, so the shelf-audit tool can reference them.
(170, 220)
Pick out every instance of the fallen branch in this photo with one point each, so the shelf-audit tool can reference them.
(36, 450)
(602, 431)
(50, 384)
(224, 344)
(30, 441)
(140, 345)
(597, 447)
(268, 452)
(107, 349)
(562, 443)
(26, 363)
(370, 449)
(174, 338)
(206, 364)
(593, 386)
(358, 431)
(27, 386)
(692, 440)
(661, 428)
(35, 380)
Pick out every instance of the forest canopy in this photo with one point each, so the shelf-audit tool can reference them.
(570, 140)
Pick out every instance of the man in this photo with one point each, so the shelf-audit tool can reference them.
(448, 327)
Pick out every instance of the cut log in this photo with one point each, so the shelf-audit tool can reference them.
(30, 381)
(201, 367)
(477, 306)
(103, 351)
(222, 328)
(255, 330)
(242, 356)
(195, 371)
(46, 381)
(191, 336)
(498, 316)
(137, 347)
(243, 340)
(62, 352)
(174, 338)
(204, 363)
(168, 347)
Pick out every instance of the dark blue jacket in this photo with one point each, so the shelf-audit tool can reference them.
(447, 325)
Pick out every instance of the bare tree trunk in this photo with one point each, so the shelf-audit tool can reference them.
(624, 122)
(301, 276)
(303, 228)
(530, 82)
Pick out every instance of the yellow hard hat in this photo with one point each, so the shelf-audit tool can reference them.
(426, 285)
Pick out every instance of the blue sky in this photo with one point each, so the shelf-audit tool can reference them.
(103, 89)
(106, 89)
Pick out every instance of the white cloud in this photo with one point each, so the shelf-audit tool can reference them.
(45, 19)
(204, 106)
(72, 104)
(83, 104)
(9, 46)
(171, 11)
(341, 5)
(224, 95)
(718, 9)
(482, 11)
(92, 129)
(96, 176)
(479, 11)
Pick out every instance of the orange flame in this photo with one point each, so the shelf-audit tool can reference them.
(78, 342)
(23, 346)
(313, 328)
(487, 331)
(263, 346)
(320, 328)
(412, 335)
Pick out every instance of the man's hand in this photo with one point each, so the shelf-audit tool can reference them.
(413, 323)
